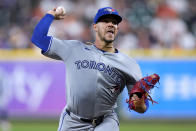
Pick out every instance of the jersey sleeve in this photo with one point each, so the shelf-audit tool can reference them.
(40, 37)
(135, 74)
(60, 49)
(50, 46)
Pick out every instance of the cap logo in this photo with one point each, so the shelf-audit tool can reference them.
(107, 11)
(110, 10)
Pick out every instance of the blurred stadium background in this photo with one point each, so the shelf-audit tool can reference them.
(160, 34)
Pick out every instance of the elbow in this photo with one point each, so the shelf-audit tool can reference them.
(40, 41)
(36, 41)
(33, 39)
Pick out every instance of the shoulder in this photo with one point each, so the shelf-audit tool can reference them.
(67, 42)
(73, 42)
(127, 59)
(132, 66)
(76, 42)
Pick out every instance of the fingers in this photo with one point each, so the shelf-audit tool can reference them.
(59, 17)
(51, 12)
(134, 97)
(57, 13)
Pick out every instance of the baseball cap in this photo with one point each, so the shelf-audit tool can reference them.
(106, 11)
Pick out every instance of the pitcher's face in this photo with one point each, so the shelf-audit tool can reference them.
(107, 29)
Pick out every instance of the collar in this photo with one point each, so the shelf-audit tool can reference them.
(116, 50)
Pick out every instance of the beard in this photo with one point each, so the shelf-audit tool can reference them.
(104, 39)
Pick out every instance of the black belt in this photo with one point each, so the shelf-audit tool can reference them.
(95, 121)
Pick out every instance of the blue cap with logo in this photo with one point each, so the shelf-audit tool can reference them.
(106, 11)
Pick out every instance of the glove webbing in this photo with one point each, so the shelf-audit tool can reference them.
(149, 83)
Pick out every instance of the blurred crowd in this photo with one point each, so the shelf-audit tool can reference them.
(146, 23)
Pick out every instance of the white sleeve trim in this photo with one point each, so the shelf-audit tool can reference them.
(49, 44)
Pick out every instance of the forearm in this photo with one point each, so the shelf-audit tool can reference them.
(39, 37)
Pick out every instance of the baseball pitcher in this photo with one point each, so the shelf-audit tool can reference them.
(95, 73)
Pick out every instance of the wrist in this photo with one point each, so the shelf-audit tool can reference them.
(51, 12)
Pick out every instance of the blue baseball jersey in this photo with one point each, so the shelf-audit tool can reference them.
(94, 78)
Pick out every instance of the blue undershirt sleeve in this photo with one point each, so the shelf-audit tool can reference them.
(147, 104)
(39, 37)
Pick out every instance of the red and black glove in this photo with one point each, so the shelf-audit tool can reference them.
(142, 90)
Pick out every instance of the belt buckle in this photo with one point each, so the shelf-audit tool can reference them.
(94, 122)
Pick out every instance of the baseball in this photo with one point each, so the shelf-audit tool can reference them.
(60, 10)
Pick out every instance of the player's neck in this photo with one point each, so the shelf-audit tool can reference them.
(108, 47)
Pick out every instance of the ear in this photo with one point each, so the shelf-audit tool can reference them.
(95, 28)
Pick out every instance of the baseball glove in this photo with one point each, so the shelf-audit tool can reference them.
(142, 90)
